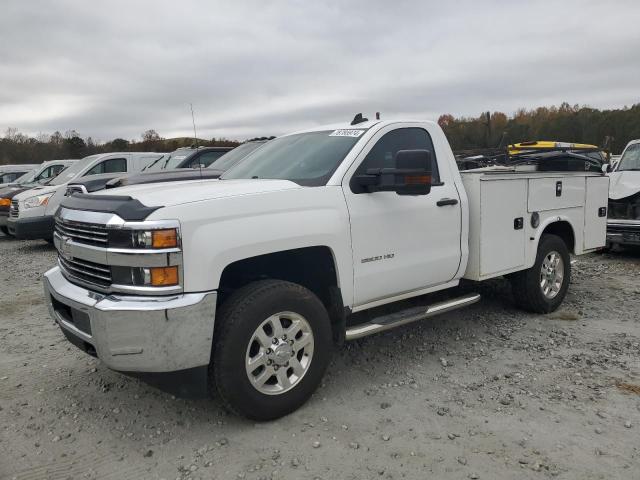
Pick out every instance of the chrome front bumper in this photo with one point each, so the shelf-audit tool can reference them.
(134, 333)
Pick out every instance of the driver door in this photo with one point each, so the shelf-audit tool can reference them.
(401, 243)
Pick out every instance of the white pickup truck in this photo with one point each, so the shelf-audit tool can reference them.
(250, 280)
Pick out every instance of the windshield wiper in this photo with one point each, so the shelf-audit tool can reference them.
(152, 164)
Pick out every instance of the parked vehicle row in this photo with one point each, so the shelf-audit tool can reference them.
(46, 172)
(30, 210)
(246, 282)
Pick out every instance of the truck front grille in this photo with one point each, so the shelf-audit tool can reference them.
(626, 209)
(14, 209)
(86, 271)
(81, 232)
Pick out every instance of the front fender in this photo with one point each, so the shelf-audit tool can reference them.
(219, 232)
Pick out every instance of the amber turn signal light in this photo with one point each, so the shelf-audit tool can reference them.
(164, 276)
(166, 238)
(417, 180)
(5, 202)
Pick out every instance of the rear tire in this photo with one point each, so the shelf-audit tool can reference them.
(4, 230)
(272, 344)
(542, 288)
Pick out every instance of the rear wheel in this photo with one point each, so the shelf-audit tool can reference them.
(271, 348)
(542, 288)
(4, 230)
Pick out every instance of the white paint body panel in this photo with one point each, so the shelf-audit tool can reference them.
(595, 226)
(496, 199)
(240, 219)
(416, 244)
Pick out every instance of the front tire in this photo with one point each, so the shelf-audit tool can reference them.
(542, 288)
(272, 345)
(4, 230)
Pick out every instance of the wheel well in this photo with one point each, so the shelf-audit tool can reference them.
(563, 230)
(312, 267)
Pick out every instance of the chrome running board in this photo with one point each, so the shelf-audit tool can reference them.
(393, 320)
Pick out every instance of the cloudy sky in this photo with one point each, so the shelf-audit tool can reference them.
(116, 68)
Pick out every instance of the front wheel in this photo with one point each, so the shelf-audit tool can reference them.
(271, 348)
(4, 230)
(542, 288)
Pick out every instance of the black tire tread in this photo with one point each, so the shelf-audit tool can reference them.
(231, 312)
(524, 284)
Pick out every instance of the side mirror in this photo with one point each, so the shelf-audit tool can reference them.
(607, 168)
(410, 176)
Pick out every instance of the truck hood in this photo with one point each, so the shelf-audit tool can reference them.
(174, 175)
(623, 184)
(39, 190)
(197, 190)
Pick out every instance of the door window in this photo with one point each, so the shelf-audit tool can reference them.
(113, 165)
(384, 151)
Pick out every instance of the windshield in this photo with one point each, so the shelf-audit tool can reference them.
(306, 158)
(631, 158)
(27, 177)
(167, 162)
(71, 172)
(228, 160)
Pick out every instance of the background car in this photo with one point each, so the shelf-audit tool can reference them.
(623, 223)
(31, 212)
(182, 158)
(11, 173)
(162, 171)
(41, 176)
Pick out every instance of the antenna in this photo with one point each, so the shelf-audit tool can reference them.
(195, 136)
(193, 119)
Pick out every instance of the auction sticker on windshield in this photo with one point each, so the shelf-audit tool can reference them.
(346, 133)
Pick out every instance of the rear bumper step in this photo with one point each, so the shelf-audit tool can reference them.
(387, 322)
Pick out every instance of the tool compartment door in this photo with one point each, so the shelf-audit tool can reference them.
(595, 218)
(552, 193)
(503, 211)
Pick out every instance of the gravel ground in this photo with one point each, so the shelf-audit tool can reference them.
(488, 392)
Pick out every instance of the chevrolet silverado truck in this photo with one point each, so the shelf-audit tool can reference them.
(320, 236)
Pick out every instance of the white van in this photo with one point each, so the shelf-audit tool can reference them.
(31, 212)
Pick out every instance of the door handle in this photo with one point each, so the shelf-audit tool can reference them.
(446, 201)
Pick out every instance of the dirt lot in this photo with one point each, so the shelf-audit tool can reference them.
(488, 392)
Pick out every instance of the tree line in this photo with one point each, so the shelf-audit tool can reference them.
(17, 148)
(565, 123)
(577, 124)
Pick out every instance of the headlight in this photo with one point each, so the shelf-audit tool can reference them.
(146, 276)
(165, 238)
(5, 202)
(37, 201)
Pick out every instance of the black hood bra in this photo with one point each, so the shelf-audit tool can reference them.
(125, 207)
